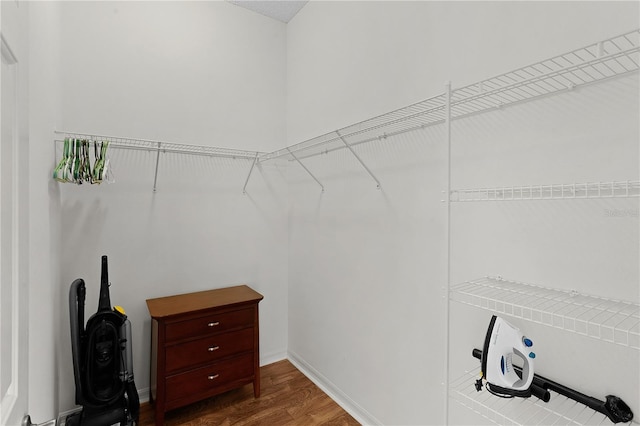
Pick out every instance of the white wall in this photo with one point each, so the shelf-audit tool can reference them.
(206, 73)
(367, 268)
(356, 275)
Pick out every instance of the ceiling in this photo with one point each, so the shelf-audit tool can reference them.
(281, 10)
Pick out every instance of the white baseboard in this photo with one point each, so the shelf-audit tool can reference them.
(349, 405)
(272, 357)
(143, 394)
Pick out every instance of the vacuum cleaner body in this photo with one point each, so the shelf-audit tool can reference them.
(502, 342)
(102, 360)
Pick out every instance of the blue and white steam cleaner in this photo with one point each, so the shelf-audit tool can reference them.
(503, 344)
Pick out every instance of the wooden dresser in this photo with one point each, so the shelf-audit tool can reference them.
(203, 344)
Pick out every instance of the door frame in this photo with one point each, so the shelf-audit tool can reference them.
(13, 405)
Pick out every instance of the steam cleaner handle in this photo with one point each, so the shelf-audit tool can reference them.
(536, 390)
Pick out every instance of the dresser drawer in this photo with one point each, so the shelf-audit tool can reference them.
(208, 378)
(208, 349)
(210, 324)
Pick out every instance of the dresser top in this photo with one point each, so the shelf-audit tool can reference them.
(190, 302)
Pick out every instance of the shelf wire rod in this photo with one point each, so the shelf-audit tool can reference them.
(508, 98)
(581, 59)
(244, 188)
(559, 64)
(432, 109)
(612, 42)
(168, 147)
(576, 76)
(155, 176)
(386, 135)
(305, 169)
(359, 159)
(484, 103)
(563, 81)
(447, 290)
(602, 75)
(429, 108)
(543, 85)
(618, 62)
(556, 85)
(571, 70)
(627, 188)
(532, 88)
(545, 65)
(632, 60)
(625, 36)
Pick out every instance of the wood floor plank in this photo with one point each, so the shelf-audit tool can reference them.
(288, 398)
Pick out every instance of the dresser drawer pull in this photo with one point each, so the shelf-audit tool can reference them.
(213, 324)
(213, 376)
(213, 348)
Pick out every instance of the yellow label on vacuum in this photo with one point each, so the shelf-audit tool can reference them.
(119, 309)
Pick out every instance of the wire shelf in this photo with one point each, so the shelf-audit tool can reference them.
(596, 62)
(600, 61)
(560, 410)
(597, 317)
(413, 117)
(116, 142)
(161, 146)
(614, 189)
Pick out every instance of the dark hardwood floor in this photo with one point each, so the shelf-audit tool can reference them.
(287, 398)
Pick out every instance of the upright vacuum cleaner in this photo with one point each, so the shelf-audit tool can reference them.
(102, 360)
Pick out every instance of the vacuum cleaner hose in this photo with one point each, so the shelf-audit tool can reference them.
(76, 318)
(133, 401)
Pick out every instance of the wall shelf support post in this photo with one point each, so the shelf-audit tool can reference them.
(359, 159)
(155, 177)
(446, 290)
(305, 169)
(244, 188)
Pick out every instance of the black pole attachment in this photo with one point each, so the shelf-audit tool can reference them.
(613, 407)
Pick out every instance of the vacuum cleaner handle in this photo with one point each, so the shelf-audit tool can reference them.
(104, 303)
